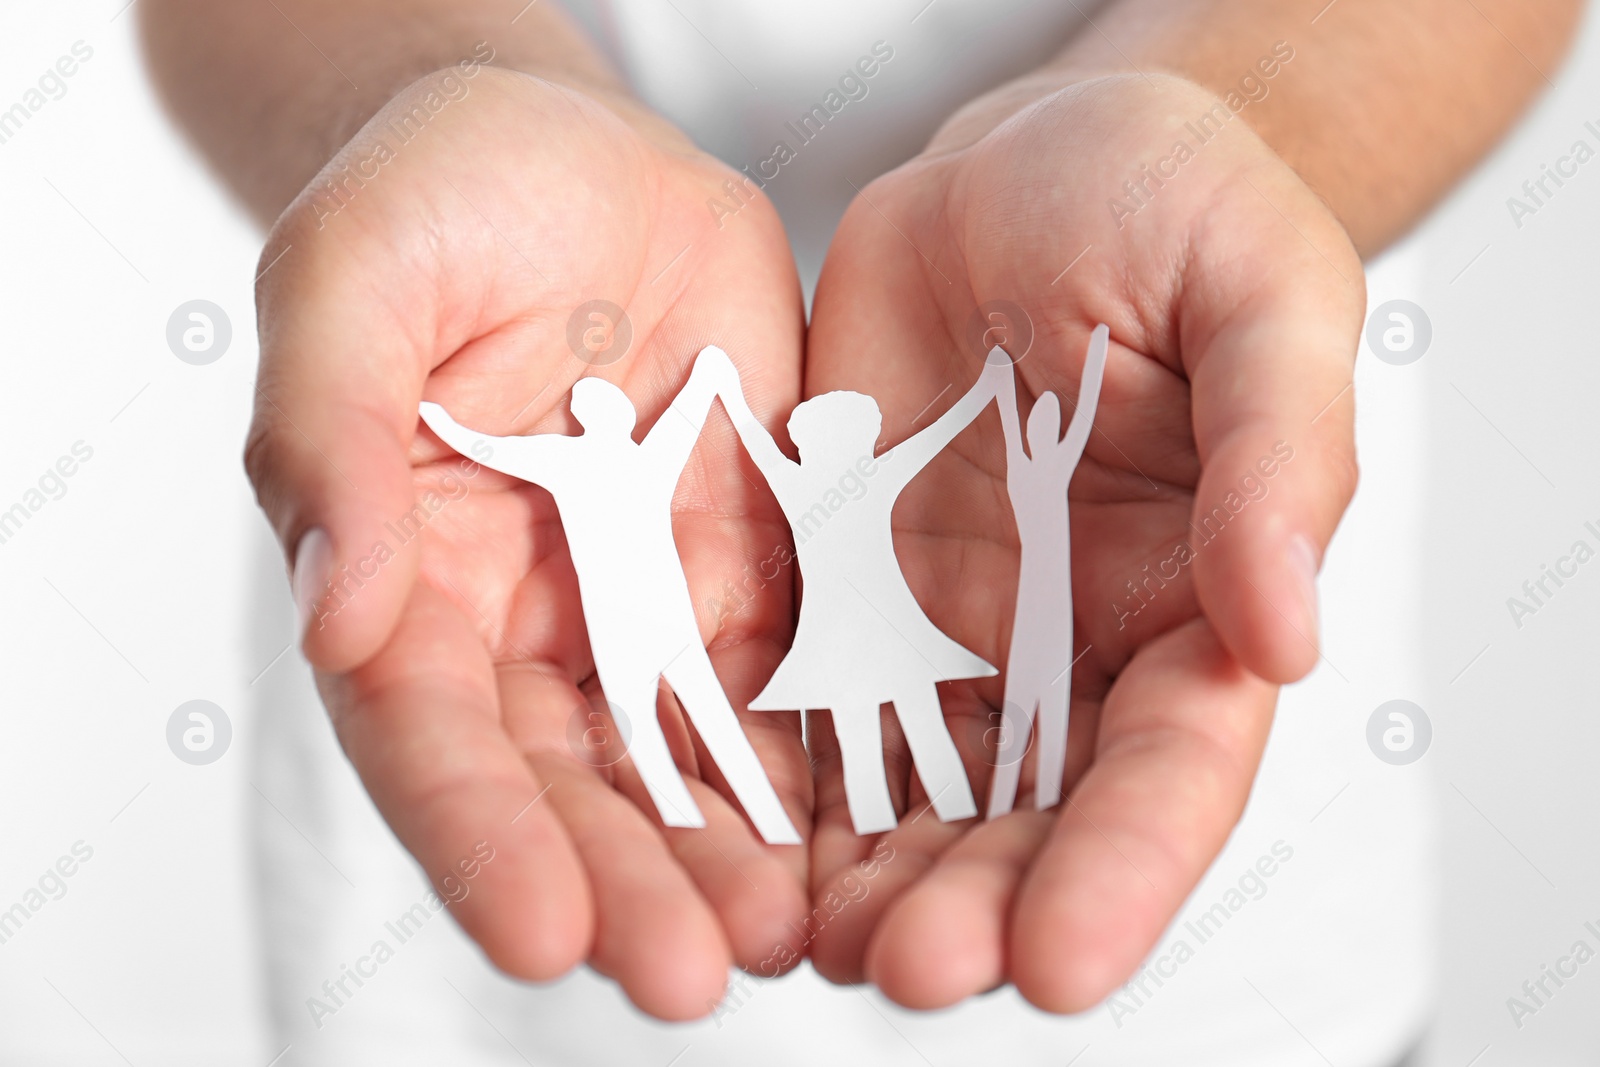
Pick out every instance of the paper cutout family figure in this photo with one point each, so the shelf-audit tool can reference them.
(862, 640)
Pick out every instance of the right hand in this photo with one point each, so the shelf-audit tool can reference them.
(1235, 302)
(454, 661)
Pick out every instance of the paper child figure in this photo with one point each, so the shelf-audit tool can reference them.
(615, 499)
(862, 639)
(1039, 665)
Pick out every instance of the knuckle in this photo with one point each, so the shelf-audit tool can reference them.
(1344, 470)
(260, 455)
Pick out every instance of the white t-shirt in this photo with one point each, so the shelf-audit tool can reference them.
(1328, 956)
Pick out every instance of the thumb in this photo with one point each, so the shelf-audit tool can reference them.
(1274, 422)
(335, 411)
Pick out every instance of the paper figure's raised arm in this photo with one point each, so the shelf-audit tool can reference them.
(673, 436)
(911, 455)
(769, 458)
(532, 458)
(1006, 401)
(1094, 372)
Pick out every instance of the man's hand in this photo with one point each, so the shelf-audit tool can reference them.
(1220, 462)
(1234, 302)
(441, 608)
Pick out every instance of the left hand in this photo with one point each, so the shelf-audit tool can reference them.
(452, 652)
(1235, 302)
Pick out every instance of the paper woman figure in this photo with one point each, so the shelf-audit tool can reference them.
(1039, 665)
(615, 500)
(862, 639)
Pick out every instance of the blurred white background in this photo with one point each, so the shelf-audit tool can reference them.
(137, 589)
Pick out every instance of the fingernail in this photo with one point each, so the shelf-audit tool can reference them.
(313, 560)
(1303, 558)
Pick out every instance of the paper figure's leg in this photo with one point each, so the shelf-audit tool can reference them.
(695, 682)
(1016, 725)
(866, 786)
(647, 747)
(1054, 708)
(934, 754)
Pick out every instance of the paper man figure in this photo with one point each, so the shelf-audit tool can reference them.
(1039, 665)
(615, 500)
(862, 639)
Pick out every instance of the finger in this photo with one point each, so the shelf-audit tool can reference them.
(752, 887)
(335, 411)
(1274, 425)
(1180, 738)
(781, 751)
(739, 670)
(849, 903)
(835, 845)
(420, 724)
(845, 864)
(655, 934)
(757, 890)
(944, 938)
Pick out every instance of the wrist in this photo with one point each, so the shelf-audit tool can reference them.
(641, 119)
(980, 116)
(589, 80)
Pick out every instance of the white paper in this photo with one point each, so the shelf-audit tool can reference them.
(615, 499)
(862, 640)
(1039, 664)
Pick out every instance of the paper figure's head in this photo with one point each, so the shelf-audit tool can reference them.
(1044, 425)
(602, 408)
(841, 424)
